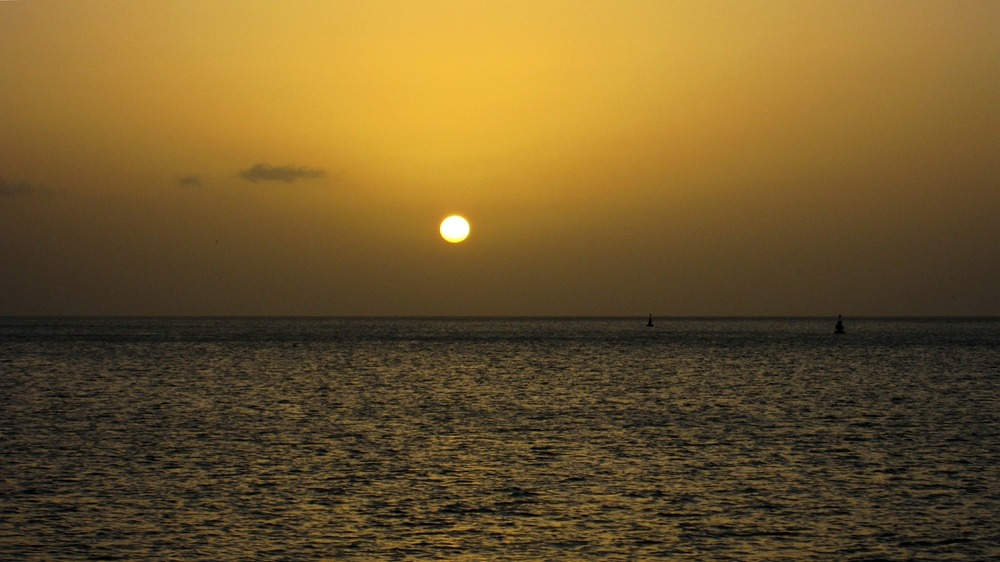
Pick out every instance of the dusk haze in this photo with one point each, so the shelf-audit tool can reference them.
(613, 158)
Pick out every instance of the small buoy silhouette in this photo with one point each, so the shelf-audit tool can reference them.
(839, 328)
(650, 323)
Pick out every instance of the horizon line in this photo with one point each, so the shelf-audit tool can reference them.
(502, 316)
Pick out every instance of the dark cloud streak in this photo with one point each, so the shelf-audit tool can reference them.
(193, 180)
(22, 189)
(287, 174)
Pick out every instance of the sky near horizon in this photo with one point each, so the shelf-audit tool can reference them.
(216, 157)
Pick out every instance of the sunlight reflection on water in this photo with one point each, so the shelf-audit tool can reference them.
(749, 439)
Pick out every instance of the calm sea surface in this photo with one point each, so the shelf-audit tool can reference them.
(499, 439)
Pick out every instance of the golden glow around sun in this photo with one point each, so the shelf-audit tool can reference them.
(454, 229)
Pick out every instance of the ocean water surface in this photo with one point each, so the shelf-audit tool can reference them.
(499, 439)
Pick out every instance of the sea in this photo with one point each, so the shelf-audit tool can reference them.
(499, 439)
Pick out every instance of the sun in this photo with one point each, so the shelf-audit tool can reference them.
(454, 229)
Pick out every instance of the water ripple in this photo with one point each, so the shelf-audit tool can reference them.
(513, 439)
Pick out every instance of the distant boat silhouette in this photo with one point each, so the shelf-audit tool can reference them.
(650, 323)
(839, 328)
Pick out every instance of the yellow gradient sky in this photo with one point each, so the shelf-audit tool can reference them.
(613, 158)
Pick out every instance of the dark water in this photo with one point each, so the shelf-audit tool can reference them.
(482, 439)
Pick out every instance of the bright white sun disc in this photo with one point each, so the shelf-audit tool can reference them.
(454, 229)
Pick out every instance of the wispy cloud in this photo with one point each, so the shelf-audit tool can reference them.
(22, 189)
(287, 174)
(193, 180)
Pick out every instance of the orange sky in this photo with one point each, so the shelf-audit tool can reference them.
(613, 158)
